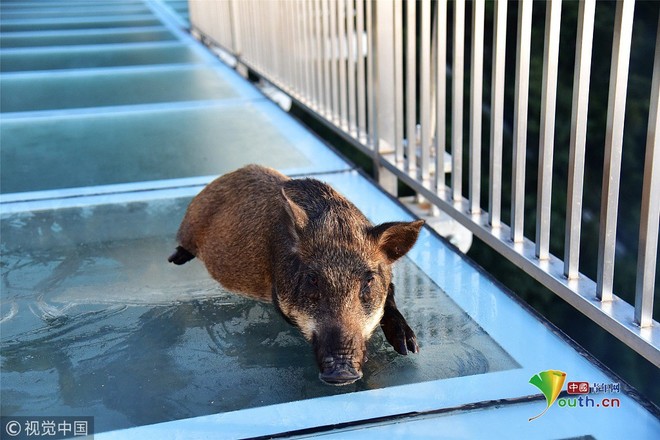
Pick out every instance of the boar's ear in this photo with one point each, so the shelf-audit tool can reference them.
(396, 238)
(297, 215)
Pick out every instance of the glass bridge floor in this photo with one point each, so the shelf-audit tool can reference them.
(112, 118)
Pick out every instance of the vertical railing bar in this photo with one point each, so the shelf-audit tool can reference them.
(361, 93)
(584, 41)
(289, 69)
(272, 32)
(224, 20)
(523, 47)
(233, 43)
(334, 63)
(425, 87)
(616, 108)
(308, 12)
(317, 54)
(207, 21)
(239, 28)
(225, 27)
(650, 211)
(260, 54)
(250, 31)
(290, 63)
(257, 29)
(236, 28)
(221, 30)
(497, 115)
(350, 38)
(227, 24)
(283, 38)
(320, 74)
(218, 32)
(441, 94)
(256, 48)
(302, 44)
(372, 131)
(326, 53)
(274, 51)
(398, 82)
(476, 96)
(299, 48)
(246, 27)
(341, 60)
(547, 127)
(309, 82)
(302, 38)
(411, 82)
(457, 101)
(294, 50)
(384, 99)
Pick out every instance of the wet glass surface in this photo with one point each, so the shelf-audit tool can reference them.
(111, 21)
(96, 322)
(54, 11)
(82, 89)
(101, 149)
(75, 38)
(82, 58)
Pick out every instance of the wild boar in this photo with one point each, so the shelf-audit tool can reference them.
(306, 248)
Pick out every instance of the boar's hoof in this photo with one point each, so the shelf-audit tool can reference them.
(398, 333)
(339, 373)
(180, 256)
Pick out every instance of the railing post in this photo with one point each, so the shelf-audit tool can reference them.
(523, 49)
(497, 115)
(476, 106)
(578, 139)
(235, 29)
(457, 100)
(547, 128)
(616, 112)
(650, 212)
(382, 59)
(441, 95)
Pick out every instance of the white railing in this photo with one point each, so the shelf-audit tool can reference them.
(377, 72)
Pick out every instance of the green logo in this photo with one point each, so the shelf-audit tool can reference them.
(550, 383)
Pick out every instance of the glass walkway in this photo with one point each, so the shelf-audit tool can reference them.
(112, 118)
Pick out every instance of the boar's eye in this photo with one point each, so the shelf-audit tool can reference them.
(312, 280)
(366, 285)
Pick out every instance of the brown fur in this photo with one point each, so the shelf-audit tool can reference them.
(311, 251)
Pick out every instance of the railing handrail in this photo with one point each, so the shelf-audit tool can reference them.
(346, 62)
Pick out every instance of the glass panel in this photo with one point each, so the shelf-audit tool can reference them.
(94, 319)
(81, 89)
(95, 57)
(76, 38)
(46, 24)
(111, 148)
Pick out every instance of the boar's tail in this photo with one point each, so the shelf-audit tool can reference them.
(180, 256)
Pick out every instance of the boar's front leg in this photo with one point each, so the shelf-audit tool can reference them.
(396, 329)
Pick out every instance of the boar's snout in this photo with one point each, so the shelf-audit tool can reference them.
(338, 371)
(340, 356)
